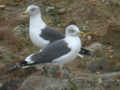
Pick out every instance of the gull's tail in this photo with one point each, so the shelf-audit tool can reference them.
(21, 64)
(90, 50)
(84, 51)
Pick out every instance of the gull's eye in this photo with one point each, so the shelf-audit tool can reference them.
(32, 9)
(72, 31)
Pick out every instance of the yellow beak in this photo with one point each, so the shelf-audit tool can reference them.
(81, 33)
(26, 12)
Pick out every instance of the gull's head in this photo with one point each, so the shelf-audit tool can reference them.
(72, 30)
(32, 10)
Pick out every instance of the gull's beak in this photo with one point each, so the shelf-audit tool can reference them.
(26, 13)
(80, 33)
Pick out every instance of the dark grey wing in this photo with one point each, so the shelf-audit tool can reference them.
(52, 35)
(51, 52)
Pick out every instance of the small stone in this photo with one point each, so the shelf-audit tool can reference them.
(110, 47)
(2, 6)
(113, 34)
(111, 56)
(100, 81)
(69, 9)
(95, 33)
(62, 11)
(85, 28)
(1, 85)
(89, 37)
(49, 8)
(111, 51)
(97, 73)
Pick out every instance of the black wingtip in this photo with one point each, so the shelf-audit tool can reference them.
(85, 52)
(18, 66)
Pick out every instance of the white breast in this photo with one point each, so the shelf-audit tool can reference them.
(36, 39)
(75, 45)
(36, 25)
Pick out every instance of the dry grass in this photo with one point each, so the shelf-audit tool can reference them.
(10, 41)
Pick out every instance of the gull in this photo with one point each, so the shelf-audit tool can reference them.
(59, 52)
(41, 34)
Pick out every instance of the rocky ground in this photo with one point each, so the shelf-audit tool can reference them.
(98, 19)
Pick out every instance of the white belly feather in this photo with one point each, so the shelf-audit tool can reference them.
(75, 45)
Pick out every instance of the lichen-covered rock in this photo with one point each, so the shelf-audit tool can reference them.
(113, 34)
(38, 82)
(11, 85)
(92, 82)
(99, 66)
(115, 1)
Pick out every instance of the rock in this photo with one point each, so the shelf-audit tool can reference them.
(99, 66)
(52, 70)
(115, 1)
(40, 82)
(11, 85)
(113, 34)
(95, 48)
(37, 82)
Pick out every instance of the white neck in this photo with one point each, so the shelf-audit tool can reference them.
(69, 36)
(36, 22)
(74, 42)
